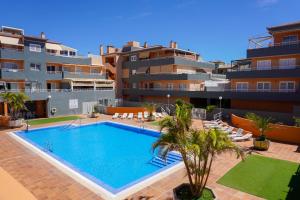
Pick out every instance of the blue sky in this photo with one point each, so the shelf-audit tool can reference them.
(217, 29)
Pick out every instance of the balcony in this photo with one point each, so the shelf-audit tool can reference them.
(271, 72)
(258, 47)
(174, 76)
(12, 74)
(43, 94)
(279, 95)
(9, 53)
(171, 60)
(67, 75)
(79, 60)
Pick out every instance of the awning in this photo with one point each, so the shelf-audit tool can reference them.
(68, 48)
(89, 80)
(144, 55)
(53, 46)
(142, 70)
(10, 41)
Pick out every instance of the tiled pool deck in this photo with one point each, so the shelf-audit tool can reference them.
(45, 181)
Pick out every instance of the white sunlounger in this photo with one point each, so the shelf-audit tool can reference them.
(238, 133)
(247, 136)
(146, 115)
(140, 116)
(229, 130)
(160, 115)
(155, 115)
(115, 116)
(130, 116)
(124, 116)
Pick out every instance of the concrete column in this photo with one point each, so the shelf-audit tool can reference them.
(94, 85)
(71, 84)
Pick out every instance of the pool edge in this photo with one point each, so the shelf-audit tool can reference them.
(89, 184)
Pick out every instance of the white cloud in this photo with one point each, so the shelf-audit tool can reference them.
(266, 3)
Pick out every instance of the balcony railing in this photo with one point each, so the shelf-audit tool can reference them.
(29, 91)
(11, 70)
(219, 90)
(267, 41)
(281, 67)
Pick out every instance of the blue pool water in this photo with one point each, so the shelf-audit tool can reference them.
(112, 155)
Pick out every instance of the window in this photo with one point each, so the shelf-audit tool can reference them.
(170, 86)
(288, 63)
(72, 53)
(9, 66)
(182, 86)
(290, 39)
(263, 65)
(12, 86)
(242, 86)
(35, 67)
(133, 58)
(287, 86)
(133, 72)
(35, 47)
(51, 69)
(64, 52)
(263, 86)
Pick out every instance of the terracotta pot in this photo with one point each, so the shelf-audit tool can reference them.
(175, 191)
(261, 145)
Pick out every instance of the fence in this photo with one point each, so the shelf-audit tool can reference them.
(280, 133)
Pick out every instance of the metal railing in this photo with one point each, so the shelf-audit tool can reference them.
(219, 90)
(53, 90)
(267, 41)
(254, 68)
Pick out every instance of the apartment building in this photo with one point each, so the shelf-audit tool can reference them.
(162, 73)
(269, 78)
(57, 80)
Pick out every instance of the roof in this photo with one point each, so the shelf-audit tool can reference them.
(284, 27)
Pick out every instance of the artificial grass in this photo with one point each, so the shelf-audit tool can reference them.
(265, 177)
(155, 123)
(52, 120)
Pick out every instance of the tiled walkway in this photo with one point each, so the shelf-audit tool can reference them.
(45, 181)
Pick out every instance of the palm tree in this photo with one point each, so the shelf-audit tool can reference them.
(197, 147)
(150, 107)
(263, 124)
(15, 102)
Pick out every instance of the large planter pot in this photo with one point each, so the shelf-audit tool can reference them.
(16, 123)
(261, 144)
(177, 192)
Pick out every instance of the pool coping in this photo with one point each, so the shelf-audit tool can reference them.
(94, 184)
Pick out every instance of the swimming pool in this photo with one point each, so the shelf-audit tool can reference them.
(114, 156)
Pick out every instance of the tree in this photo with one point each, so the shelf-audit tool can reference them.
(15, 102)
(150, 107)
(198, 148)
(263, 124)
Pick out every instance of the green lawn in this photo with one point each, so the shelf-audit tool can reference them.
(265, 177)
(51, 120)
(155, 123)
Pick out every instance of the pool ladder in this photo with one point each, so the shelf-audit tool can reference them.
(160, 162)
(48, 146)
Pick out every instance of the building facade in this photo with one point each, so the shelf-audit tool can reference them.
(162, 74)
(57, 80)
(269, 79)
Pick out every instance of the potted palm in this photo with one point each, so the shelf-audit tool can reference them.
(150, 107)
(263, 124)
(209, 110)
(198, 149)
(16, 103)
